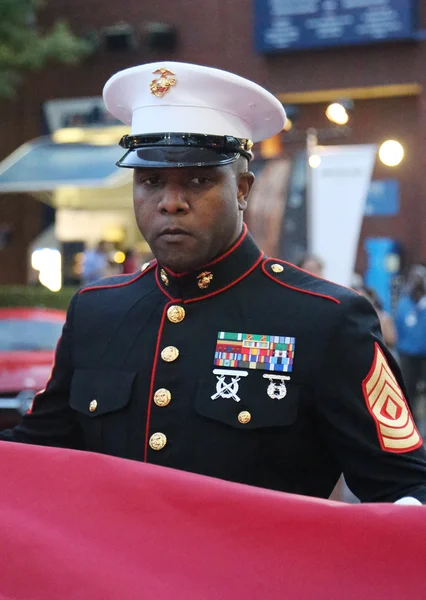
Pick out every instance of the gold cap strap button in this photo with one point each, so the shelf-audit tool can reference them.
(93, 405)
(162, 397)
(175, 313)
(157, 441)
(244, 417)
(169, 353)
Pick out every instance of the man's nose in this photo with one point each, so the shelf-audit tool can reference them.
(173, 200)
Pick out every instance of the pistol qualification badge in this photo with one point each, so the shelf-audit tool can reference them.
(276, 388)
(159, 87)
(271, 353)
(230, 389)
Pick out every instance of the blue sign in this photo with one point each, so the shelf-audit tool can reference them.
(303, 24)
(384, 263)
(383, 198)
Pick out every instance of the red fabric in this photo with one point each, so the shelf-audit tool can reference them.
(75, 525)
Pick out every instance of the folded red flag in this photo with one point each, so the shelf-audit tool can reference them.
(75, 525)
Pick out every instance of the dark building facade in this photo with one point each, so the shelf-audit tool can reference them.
(385, 80)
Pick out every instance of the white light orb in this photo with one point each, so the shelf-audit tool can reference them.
(391, 153)
(314, 161)
(336, 113)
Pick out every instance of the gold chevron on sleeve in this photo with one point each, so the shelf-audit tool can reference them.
(388, 407)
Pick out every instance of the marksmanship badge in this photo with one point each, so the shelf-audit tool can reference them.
(276, 388)
(159, 87)
(230, 389)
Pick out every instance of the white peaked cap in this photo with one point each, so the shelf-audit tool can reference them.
(198, 100)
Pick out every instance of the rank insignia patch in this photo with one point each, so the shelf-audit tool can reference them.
(386, 402)
(252, 351)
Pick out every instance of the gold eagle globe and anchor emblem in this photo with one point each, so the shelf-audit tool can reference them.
(159, 87)
(204, 279)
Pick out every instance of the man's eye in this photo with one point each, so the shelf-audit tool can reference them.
(150, 181)
(201, 180)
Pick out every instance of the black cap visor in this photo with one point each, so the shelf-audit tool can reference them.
(181, 150)
(175, 157)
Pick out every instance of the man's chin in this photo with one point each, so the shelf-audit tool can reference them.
(180, 261)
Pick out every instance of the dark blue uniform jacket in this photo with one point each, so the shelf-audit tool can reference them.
(250, 370)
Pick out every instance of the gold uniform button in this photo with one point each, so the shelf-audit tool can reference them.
(157, 441)
(162, 397)
(93, 405)
(169, 353)
(175, 313)
(144, 266)
(276, 268)
(244, 417)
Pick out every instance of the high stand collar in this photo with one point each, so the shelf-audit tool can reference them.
(217, 276)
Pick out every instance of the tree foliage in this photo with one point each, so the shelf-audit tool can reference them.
(24, 46)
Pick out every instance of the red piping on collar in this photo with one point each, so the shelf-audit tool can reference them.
(161, 287)
(231, 249)
(291, 287)
(115, 285)
(252, 268)
(153, 373)
(218, 259)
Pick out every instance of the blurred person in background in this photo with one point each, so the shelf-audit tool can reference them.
(386, 321)
(95, 263)
(411, 331)
(357, 282)
(130, 264)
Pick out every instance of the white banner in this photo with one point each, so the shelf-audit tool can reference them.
(338, 192)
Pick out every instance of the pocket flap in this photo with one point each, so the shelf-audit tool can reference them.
(95, 392)
(263, 411)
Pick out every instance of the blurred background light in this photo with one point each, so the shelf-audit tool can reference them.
(101, 136)
(336, 113)
(48, 262)
(271, 147)
(391, 153)
(288, 125)
(314, 161)
(119, 257)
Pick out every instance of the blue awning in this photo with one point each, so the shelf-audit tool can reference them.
(45, 165)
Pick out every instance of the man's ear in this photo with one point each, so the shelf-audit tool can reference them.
(245, 183)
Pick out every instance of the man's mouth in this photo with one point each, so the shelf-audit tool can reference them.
(173, 233)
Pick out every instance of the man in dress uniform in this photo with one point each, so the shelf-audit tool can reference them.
(214, 358)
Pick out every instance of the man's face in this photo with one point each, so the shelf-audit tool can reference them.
(189, 215)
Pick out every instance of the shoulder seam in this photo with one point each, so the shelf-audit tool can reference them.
(291, 287)
(344, 287)
(115, 285)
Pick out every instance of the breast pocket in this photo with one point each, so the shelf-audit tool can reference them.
(249, 402)
(101, 397)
